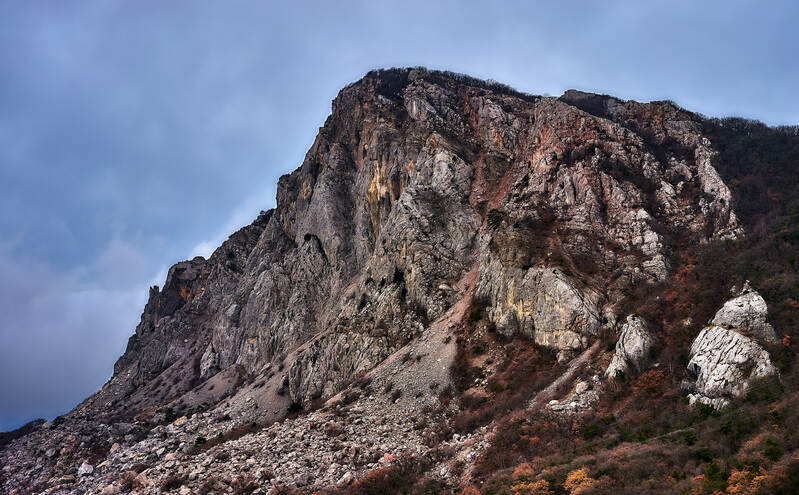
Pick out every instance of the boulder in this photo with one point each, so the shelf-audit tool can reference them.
(724, 362)
(85, 469)
(582, 399)
(632, 348)
(728, 354)
(747, 313)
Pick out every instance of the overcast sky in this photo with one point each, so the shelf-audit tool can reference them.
(136, 134)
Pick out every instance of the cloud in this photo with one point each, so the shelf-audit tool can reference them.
(62, 332)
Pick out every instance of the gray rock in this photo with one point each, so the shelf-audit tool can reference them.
(582, 399)
(542, 303)
(85, 469)
(724, 362)
(420, 191)
(747, 313)
(727, 355)
(632, 348)
(209, 362)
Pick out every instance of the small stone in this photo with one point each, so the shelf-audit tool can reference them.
(85, 469)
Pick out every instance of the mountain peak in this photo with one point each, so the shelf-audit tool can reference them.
(452, 261)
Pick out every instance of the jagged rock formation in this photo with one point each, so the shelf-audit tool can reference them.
(426, 198)
(747, 313)
(415, 180)
(632, 348)
(725, 359)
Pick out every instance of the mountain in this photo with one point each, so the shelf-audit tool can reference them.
(468, 289)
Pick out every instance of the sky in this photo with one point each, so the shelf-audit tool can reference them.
(137, 134)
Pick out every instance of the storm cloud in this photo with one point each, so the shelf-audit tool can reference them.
(137, 134)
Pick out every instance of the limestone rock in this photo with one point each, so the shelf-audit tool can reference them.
(85, 469)
(724, 362)
(583, 397)
(416, 178)
(209, 362)
(632, 348)
(728, 354)
(747, 313)
(542, 303)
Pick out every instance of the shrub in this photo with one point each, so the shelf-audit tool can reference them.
(577, 479)
(244, 484)
(689, 438)
(772, 451)
(715, 479)
(404, 476)
(169, 415)
(539, 487)
(706, 410)
(788, 482)
(172, 482)
(650, 382)
(590, 431)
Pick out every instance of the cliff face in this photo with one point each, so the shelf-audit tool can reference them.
(414, 180)
(432, 205)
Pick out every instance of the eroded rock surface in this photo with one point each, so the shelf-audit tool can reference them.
(543, 304)
(747, 313)
(724, 363)
(632, 348)
(727, 355)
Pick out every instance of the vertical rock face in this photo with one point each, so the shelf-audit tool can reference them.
(416, 180)
(541, 303)
(632, 348)
(725, 359)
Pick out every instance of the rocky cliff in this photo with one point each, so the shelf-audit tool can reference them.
(447, 243)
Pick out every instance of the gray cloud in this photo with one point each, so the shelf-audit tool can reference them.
(135, 134)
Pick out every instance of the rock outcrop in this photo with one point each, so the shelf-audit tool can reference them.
(416, 179)
(425, 195)
(747, 313)
(632, 348)
(727, 355)
(541, 303)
